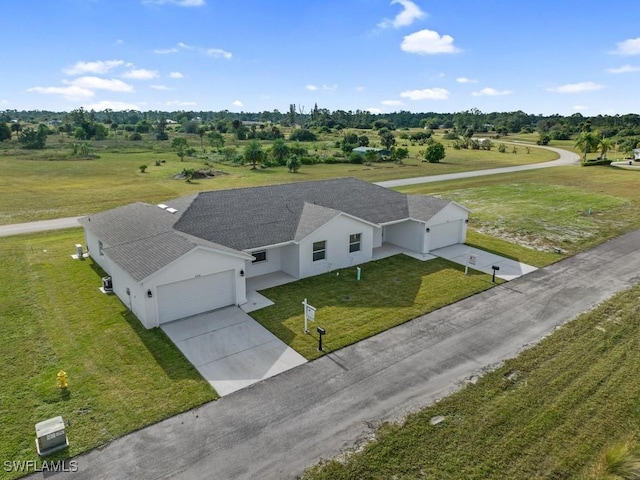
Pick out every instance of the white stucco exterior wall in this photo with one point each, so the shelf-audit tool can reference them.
(290, 260)
(272, 264)
(409, 234)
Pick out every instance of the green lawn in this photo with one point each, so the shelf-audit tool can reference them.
(46, 184)
(552, 412)
(391, 291)
(121, 376)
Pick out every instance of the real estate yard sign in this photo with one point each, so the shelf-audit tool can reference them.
(309, 314)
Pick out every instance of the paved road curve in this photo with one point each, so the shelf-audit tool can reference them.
(277, 428)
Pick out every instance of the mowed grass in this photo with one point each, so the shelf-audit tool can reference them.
(53, 317)
(391, 291)
(46, 184)
(544, 209)
(549, 413)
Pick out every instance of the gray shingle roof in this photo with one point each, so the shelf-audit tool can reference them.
(143, 238)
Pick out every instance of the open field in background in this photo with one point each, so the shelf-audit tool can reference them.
(39, 185)
(552, 412)
(391, 291)
(53, 317)
(548, 208)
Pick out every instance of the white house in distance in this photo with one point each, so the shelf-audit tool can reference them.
(194, 254)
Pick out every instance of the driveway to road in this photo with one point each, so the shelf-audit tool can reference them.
(276, 428)
(566, 158)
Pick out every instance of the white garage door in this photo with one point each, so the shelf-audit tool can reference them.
(445, 234)
(196, 295)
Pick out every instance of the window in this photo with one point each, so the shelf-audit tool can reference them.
(354, 242)
(259, 256)
(319, 251)
(100, 248)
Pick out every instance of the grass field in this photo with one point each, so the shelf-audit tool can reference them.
(391, 291)
(553, 412)
(121, 376)
(38, 185)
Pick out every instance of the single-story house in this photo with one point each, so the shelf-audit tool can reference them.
(194, 254)
(636, 153)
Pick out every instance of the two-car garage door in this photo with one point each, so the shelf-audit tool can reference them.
(445, 234)
(196, 295)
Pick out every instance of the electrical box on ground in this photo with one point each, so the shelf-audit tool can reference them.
(50, 436)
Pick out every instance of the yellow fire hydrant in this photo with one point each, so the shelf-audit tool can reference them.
(62, 379)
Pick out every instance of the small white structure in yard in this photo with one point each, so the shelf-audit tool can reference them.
(194, 254)
(636, 153)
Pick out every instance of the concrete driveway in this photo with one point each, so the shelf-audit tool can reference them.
(230, 349)
(509, 269)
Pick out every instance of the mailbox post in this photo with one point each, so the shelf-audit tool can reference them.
(321, 331)
(495, 268)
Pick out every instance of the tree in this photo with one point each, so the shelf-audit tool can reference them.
(293, 164)
(434, 152)
(216, 140)
(586, 142)
(180, 145)
(202, 130)
(363, 141)
(280, 151)
(5, 132)
(604, 146)
(253, 154)
(16, 128)
(33, 139)
(399, 154)
(303, 135)
(387, 139)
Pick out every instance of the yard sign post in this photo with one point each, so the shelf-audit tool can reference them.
(470, 261)
(309, 314)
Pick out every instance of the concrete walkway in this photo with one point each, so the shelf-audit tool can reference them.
(275, 429)
(460, 254)
(230, 349)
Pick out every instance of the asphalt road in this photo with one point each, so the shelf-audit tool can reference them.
(277, 428)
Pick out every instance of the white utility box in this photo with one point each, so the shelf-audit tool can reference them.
(50, 436)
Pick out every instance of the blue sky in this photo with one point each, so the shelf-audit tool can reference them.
(549, 56)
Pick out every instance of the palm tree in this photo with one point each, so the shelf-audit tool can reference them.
(253, 153)
(586, 143)
(604, 146)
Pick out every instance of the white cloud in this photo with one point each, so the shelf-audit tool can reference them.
(140, 74)
(580, 107)
(491, 92)
(426, 94)
(330, 88)
(165, 51)
(428, 42)
(311, 88)
(373, 110)
(179, 3)
(466, 80)
(98, 67)
(577, 87)
(630, 46)
(97, 83)
(176, 75)
(360, 88)
(160, 87)
(72, 92)
(392, 103)
(116, 106)
(218, 53)
(237, 103)
(624, 69)
(410, 13)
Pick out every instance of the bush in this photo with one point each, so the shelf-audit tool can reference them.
(450, 136)
(136, 137)
(309, 160)
(356, 158)
(598, 161)
(303, 135)
(142, 168)
(502, 148)
(293, 164)
(434, 153)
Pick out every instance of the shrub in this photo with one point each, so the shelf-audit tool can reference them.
(309, 160)
(356, 158)
(303, 135)
(502, 148)
(136, 137)
(434, 153)
(293, 164)
(142, 168)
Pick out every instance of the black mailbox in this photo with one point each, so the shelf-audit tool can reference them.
(495, 268)
(321, 331)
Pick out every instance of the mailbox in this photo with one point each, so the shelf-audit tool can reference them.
(50, 436)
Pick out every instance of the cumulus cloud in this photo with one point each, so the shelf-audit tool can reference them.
(115, 106)
(392, 103)
(140, 74)
(311, 88)
(466, 80)
(491, 92)
(409, 14)
(624, 69)
(218, 53)
(98, 67)
(165, 51)
(179, 3)
(577, 87)
(428, 42)
(72, 92)
(97, 83)
(237, 103)
(176, 75)
(426, 94)
(631, 46)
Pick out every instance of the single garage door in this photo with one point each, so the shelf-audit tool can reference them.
(445, 234)
(196, 295)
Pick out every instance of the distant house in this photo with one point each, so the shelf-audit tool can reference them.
(636, 153)
(194, 254)
(363, 150)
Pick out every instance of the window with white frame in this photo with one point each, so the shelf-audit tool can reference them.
(354, 242)
(319, 250)
(259, 256)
